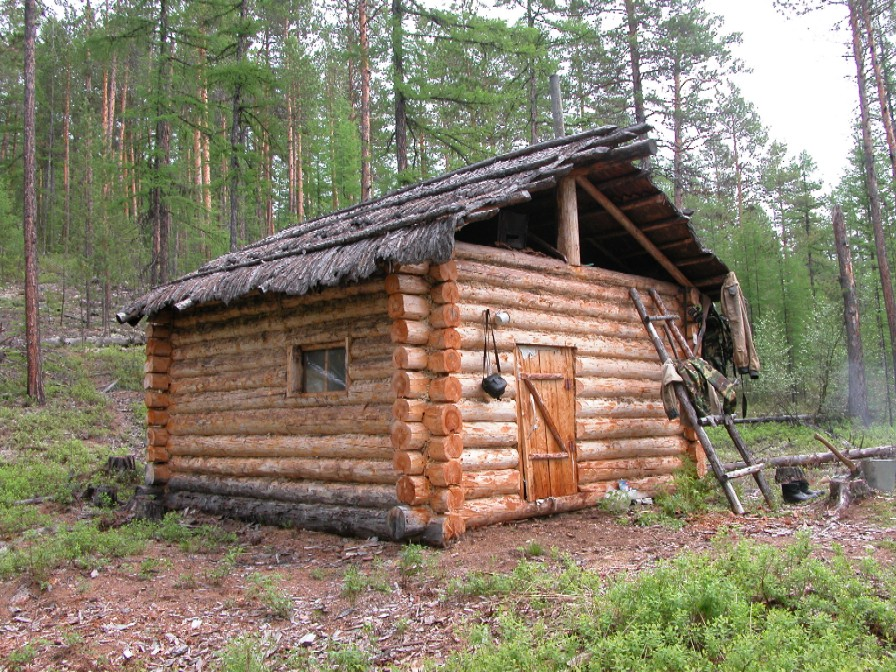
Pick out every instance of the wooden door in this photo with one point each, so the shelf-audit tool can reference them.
(547, 420)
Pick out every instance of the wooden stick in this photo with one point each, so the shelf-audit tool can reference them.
(818, 458)
(852, 466)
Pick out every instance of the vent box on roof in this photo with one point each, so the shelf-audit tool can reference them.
(512, 229)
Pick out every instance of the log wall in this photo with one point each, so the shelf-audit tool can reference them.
(621, 428)
(226, 435)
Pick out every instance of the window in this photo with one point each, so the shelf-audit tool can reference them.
(318, 368)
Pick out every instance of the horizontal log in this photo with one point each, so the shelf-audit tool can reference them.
(445, 316)
(343, 446)
(158, 347)
(488, 410)
(158, 331)
(445, 388)
(409, 385)
(508, 262)
(494, 510)
(157, 473)
(444, 361)
(343, 520)
(444, 500)
(529, 320)
(444, 339)
(157, 436)
(442, 419)
(599, 388)
(596, 430)
(410, 358)
(371, 369)
(443, 448)
(410, 462)
(410, 332)
(443, 474)
(406, 522)
(478, 484)
(408, 435)
(414, 269)
(489, 434)
(817, 458)
(413, 490)
(591, 451)
(444, 272)
(471, 387)
(405, 283)
(316, 469)
(471, 362)
(260, 376)
(620, 408)
(408, 410)
(612, 470)
(602, 367)
(157, 416)
(487, 459)
(320, 421)
(156, 399)
(586, 342)
(445, 292)
(408, 306)
(157, 454)
(157, 364)
(303, 492)
(156, 381)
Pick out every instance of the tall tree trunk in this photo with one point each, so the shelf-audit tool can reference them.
(236, 135)
(161, 214)
(858, 389)
(66, 187)
(401, 119)
(880, 243)
(32, 304)
(366, 179)
(634, 53)
(677, 141)
(739, 178)
(882, 93)
(533, 82)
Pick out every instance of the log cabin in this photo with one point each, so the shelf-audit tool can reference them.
(330, 376)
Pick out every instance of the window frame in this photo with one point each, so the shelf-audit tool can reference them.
(295, 367)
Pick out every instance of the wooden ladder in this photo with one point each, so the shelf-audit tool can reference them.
(674, 335)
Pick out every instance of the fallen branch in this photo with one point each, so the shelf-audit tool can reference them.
(816, 458)
(852, 466)
(57, 341)
(792, 419)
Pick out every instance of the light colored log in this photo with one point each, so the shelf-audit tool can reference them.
(156, 381)
(322, 421)
(158, 347)
(408, 435)
(157, 473)
(602, 367)
(405, 283)
(445, 316)
(471, 387)
(414, 269)
(410, 462)
(157, 365)
(494, 510)
(446, 388)
(259, 377)
(370, 369)
(486, 459)
(613, 470)
(489, 434)
(597, 430)
(408, 306)
(413, 490)
(445, 292)
(491, 483)
(444, 272)
(408, 410)
(488, 410)
(443, 474)
(157, 454)
(444, 448)
(444, 500)
(316, 469)
(601, 388)
(410, 332)
(568, 221)
(369, 348)
(343, 446)
(442, 419)
(304, 492)
(471, 362)
(156, 399)
(530, 320)
(161, 331)
(444, 339)
(156, 416)
(592, 451)
(620, 408)
(157, 436)
(587, 343)
(409, 358)
(409, 385)
(444, 361)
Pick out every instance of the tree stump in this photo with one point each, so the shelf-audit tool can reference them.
(845, 491)
(120, 463)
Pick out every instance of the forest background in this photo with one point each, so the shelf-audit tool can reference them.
(169, 132)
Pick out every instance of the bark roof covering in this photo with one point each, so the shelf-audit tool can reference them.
(418, 223)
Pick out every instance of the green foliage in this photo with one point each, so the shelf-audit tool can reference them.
(742, 606)
(355, 582)
(244, 654)
(411, 560)
(266, 589)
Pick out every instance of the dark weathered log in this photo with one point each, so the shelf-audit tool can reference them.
(344, 520)
(817, 458)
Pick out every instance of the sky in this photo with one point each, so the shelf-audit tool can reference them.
(803, 77)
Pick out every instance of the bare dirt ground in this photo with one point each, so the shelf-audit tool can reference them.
(178, 615)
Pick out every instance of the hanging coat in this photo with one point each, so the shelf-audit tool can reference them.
(736, 310)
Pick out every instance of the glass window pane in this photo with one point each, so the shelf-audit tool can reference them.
(314, 372)
(336, 369)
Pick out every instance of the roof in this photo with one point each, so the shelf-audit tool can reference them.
(418, 223)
